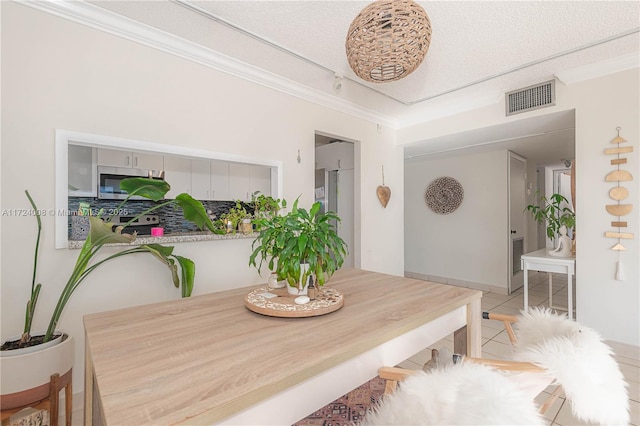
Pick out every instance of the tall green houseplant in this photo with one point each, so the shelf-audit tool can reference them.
(299, 237)
(554, 212)
(102, 233)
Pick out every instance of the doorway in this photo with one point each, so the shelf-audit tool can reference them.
(335, 186)
(517, 204)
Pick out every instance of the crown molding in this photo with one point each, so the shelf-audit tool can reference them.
(112, 23)
(599, 69)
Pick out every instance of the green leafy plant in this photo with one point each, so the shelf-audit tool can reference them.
(298, 237)
(101, 233)
(551, 211)
(265, 206)
(235, 215)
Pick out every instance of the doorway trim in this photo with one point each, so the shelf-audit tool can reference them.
(512, 284)
(357, 197)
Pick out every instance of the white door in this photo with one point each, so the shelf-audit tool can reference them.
(516, 229)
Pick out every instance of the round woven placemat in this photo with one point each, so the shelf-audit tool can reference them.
(283, 305)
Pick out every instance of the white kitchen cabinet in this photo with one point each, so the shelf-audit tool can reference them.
(260, 180)
(177, 172)
(136, 160)
(201, 179)
(82, 173)
(219, 180)
(335, 156)
(240, 181)
(245, 179)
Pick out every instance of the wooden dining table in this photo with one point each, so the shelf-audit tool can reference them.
(209, 360)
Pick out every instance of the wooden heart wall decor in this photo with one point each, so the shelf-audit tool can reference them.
(383, 192)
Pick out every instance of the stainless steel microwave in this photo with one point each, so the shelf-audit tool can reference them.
(109, 179)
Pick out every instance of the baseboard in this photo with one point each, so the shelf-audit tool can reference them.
(455, 282)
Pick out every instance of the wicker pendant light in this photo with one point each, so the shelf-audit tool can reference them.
(388, 40)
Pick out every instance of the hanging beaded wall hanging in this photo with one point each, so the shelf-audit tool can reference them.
(619, 193)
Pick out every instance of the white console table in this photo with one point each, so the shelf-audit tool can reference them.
(541, 261)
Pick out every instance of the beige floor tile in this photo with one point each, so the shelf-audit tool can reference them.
(487, 305)
(552, 412)
(493, 324)
(631, 373)
(634, 390)
(635, 412)
(507, 310)
(497, 349)
(495, 297)
(565, 416)
(515, 302)
(490, 332)
(626, 360)
(502, 337)
(542, 290)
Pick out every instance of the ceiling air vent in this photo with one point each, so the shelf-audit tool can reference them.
(533, 97)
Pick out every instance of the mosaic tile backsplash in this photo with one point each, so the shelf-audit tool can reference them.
(170, 216)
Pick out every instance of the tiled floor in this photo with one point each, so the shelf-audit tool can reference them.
(495, 344)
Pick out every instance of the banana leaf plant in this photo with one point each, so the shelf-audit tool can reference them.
(102, 232)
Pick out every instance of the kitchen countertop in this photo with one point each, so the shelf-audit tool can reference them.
(180, 237)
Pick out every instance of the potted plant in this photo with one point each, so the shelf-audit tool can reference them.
(555, 212)
(265, 206)
(101, 232)
(298, 245)
(237, 218)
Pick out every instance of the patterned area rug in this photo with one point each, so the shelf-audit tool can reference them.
(348, 409)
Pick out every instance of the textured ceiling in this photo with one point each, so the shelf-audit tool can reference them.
(478, 51)
(498, 46)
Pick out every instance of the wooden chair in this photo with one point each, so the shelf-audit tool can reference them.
(44, 397)
(393, 375)
(594, 385)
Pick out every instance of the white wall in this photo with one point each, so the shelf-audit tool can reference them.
(469, 246)
(601, 104)
(612, 307)
(59, 74)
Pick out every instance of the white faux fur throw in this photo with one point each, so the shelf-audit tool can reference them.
(576, 356)
(463, 394)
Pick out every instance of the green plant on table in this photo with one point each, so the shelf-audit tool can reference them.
(285, 242)
(555, 212)
(101, 233)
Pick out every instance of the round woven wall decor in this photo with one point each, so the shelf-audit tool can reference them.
(444, 195)
(388, 40)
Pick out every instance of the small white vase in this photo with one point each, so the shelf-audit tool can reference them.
(300, 289)
(296, 291)
(273, 282)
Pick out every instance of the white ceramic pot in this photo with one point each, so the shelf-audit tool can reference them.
(301, 289)
(296, 291)
(30, 370)
(29, 349)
